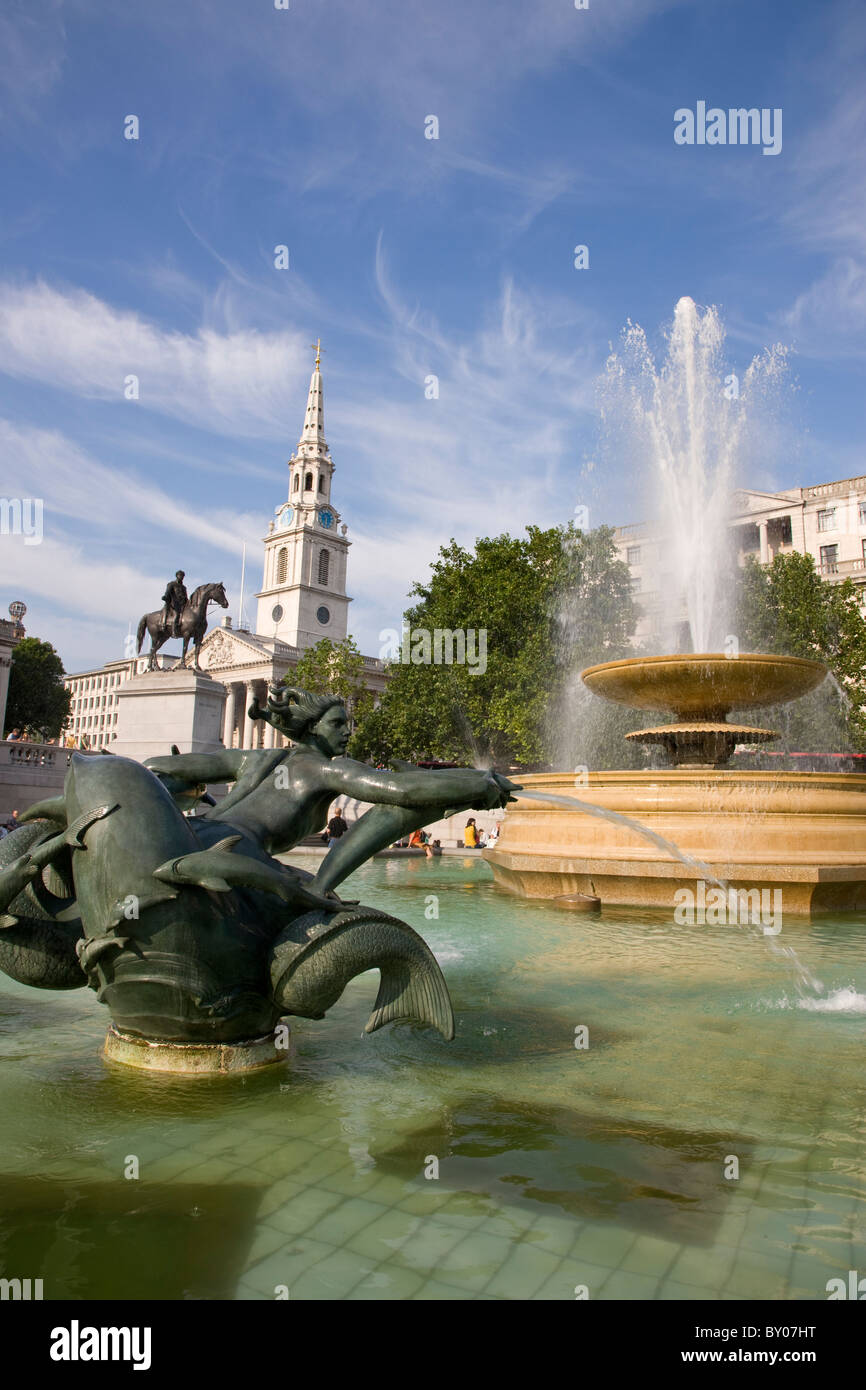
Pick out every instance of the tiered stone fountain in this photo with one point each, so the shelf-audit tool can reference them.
(700, 691)
(803, 833)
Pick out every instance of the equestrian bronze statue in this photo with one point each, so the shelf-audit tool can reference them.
(181, 617)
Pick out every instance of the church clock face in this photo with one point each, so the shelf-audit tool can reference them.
(285, 517)
(326, 518)
(324, 615)
(277, 612)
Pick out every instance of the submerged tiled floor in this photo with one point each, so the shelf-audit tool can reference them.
(557, 1169)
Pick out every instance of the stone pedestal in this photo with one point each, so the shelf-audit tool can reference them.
(161, 708)
(193, 1059)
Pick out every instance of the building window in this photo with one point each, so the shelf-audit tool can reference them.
(282, 565)
(295, 483)
(632, 555)
(321, 483)
(324, 565)
(635, 584)
(863, 543)
(829, 558)
(827, 519)
(308, 482)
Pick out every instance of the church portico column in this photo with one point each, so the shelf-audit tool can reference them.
(764, 542)
(248, 725)
(231, 715)
(260, 728)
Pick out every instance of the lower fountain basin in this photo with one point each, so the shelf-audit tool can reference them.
(804, 833)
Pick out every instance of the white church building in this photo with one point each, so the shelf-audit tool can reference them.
(302, 599)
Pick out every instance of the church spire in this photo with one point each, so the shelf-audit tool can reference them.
(314, 420)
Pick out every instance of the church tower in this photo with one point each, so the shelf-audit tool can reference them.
(303, 596)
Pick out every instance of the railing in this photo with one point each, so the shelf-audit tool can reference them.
(842, 567)
(842, 489)
(20, 753)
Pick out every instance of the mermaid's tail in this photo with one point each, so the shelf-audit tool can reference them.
(38, 929)
(313, 960)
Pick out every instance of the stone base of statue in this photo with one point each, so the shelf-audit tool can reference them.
(161, 708)
(193, 1059)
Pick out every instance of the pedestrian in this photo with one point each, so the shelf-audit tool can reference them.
(14, 737)
(493, 835)
(417, 841)
(337, 826)
(470, 834)
(12, 823)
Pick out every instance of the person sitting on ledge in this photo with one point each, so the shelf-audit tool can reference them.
(470, 834)
(417, 841)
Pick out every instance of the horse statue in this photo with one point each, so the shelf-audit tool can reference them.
(193, 624)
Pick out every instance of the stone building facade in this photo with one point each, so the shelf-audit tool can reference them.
(826, 521)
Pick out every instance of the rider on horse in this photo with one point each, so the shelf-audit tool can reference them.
(175, 599)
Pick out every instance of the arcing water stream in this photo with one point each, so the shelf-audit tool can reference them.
(660, 842)
(804, 975)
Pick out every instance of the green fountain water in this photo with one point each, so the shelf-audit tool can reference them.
(558, 1166)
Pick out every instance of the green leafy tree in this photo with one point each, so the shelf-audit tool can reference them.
(786, 607)
(38, 701)
(335, 668)
(536, 600)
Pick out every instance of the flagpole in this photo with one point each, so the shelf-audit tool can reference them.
(243, 577)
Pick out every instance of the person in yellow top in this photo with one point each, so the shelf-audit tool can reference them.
(470, 834)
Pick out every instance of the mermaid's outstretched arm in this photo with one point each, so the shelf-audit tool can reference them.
(383, 824)
(415, 787)
(224, 766)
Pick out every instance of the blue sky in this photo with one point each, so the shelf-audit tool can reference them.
(409, 256)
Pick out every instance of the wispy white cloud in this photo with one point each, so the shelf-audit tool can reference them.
(828, 319)
(114, 504)
(233, 383)
(32, 54)
(97, 568)
(495, 448)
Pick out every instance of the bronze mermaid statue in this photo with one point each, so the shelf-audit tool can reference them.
(188, 926)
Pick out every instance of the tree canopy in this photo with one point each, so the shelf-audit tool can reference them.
(530, 609)
(786, 607)
(335, 668)
(38, 701)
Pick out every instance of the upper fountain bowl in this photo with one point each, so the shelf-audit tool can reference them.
(704, 685)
